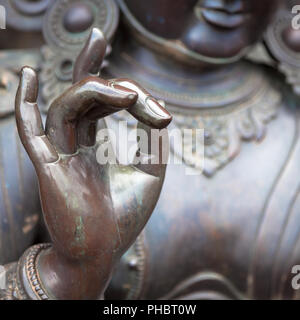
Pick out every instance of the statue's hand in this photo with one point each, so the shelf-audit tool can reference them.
(93, 212)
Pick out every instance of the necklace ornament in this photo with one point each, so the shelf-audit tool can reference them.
(224, 133)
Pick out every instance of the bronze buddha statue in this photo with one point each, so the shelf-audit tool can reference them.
(228, 229)
(235, 238)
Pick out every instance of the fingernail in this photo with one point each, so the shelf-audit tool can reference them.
(97, 34)
(156, 108)
(132, 97)
(97, 42)
(29, 80)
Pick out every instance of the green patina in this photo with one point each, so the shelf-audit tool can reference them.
(79, 234)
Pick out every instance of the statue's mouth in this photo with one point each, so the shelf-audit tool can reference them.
(222, 17)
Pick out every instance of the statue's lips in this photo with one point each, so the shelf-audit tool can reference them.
(223, 19)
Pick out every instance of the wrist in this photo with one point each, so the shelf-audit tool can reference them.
(72, 279)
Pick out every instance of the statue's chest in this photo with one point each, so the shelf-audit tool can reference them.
(240, 223)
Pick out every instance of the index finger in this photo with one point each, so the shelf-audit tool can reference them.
(147, 109)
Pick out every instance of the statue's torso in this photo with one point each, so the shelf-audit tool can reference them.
(233, 231)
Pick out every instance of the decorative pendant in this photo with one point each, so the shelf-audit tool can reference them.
(283, 42)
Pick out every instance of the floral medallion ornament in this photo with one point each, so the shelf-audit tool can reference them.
(67, 25)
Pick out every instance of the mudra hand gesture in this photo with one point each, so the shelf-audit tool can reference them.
(93, 212)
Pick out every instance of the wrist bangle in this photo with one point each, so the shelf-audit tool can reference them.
(28, 272)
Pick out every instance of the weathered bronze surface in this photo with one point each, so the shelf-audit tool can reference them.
(227, 230)
(237, 220)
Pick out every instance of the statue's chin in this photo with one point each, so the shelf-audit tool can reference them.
(222, 53)
(206, 56)
(202, 56)
(216, 43)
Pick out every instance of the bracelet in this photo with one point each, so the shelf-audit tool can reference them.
(28, 265)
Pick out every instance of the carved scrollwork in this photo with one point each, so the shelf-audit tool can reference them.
(68, 24)
(224, 133)
(25, 15)
(8, 87)
(11, 61)
(13, 289)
